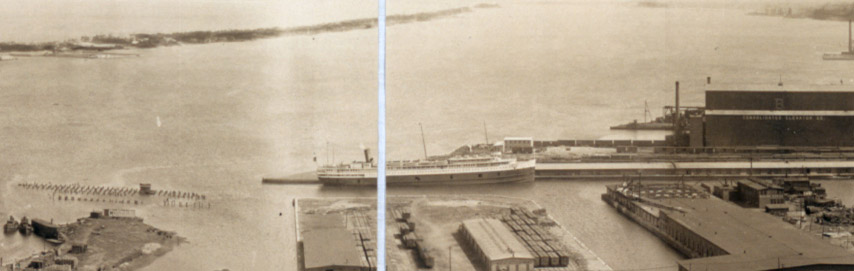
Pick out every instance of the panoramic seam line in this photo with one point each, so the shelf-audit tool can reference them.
(381, 140)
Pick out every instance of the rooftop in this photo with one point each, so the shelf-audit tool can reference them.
(330, 247)
(495, 240)
(317, 221)
(758, 185)
(696, 165)
(754, 240)
(784, 87)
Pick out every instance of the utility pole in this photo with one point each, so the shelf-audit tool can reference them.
(751, 164)
(449, 258)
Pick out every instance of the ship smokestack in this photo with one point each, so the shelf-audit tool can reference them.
(708, 80)
(367, 155)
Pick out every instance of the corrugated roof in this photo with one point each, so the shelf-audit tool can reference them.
(495, 239)
(755, 241)
(330, 247)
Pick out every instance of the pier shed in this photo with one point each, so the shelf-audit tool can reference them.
(496, 246)
(331, 249)
(721, 236)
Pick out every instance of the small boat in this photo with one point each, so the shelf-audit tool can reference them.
(847, 55)
(24, 227)
(11, 225)
(838, 56)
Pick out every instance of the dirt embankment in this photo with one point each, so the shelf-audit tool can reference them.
(117, 243)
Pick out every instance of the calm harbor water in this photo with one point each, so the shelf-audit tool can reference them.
(232, 113)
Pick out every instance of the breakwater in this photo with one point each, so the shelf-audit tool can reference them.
(119, 195)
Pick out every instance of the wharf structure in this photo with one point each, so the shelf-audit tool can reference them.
(717, 235)
(743, 130)
(695, 170)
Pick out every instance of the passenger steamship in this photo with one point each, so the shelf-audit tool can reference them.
(454, 170)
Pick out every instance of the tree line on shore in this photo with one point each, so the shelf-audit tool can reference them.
(200, 37)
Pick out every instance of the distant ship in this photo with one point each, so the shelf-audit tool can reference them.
(450, 171)
(849, 55)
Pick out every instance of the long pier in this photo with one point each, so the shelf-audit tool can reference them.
(694, 170)
(675, 170)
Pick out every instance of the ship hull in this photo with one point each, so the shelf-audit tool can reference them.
(519, 175)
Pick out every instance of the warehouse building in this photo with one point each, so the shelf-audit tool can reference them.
(518, 144)
(495, 246)
(775, 115)
(757, 193)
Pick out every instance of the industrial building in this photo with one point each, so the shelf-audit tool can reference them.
(496, 246)
(768, 115)
(779, 116)
(518, 144)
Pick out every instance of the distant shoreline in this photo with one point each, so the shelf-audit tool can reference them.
(815, 11)
(145, 41)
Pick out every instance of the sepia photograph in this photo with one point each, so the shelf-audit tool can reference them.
(473, 135)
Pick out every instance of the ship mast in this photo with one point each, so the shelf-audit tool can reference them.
(646, 112)
(423, 142)
(850, 50)
(485, 135)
